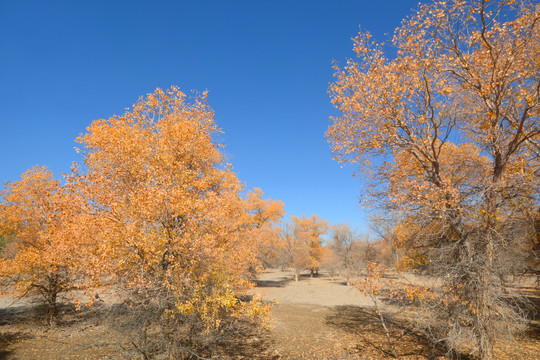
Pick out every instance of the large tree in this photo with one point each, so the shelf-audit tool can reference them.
(175, 233)
(448, 130)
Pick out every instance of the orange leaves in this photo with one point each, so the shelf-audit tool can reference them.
(40, 218)
(371, 284)
(454, 120)
(154, 210)
(168, 209)
(412, 181)
(442, 81)
(302, 242)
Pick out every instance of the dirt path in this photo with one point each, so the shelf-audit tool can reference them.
(301, 332)
(300, 320)
(321, 318)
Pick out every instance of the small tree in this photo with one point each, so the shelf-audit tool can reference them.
(383, 225)
(301, 243)
(310, 230)
(262, 216)
(295, 251)
(344, 242)
(39, 217)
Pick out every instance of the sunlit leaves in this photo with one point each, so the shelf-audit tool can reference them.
(448, 132)
(168, 209)
(40, 219)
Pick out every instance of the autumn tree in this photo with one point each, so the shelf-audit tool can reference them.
(310, 231)
(176, 236)
(352, 251)
(344, 246)
(261, 224)
(38, 221)
(294, 251)
(301, 243)
(383, 226)
(447, 130)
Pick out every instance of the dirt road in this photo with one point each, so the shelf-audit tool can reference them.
(304, 322)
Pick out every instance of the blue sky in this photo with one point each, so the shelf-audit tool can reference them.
(266, 65)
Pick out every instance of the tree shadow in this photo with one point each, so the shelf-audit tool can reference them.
(340, 282)
(22, 314)
(30, 317)
(371, 337)
(282, 282)
(533, 315)
(7, 339)
(244, 339)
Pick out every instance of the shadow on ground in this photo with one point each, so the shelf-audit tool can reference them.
(6, 340)
(14, 315)
(371, 337)
(112, 331)
(282, 282)
(533, 315)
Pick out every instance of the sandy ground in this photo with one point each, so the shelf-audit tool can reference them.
(315, 318)
(321, 290)
(323, 318)
(299, 321)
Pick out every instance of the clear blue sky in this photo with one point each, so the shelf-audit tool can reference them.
(266, 64)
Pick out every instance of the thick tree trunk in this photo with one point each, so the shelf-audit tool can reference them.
(485, 325)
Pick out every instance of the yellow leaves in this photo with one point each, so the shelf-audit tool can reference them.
(40, 217)
(490, 215)
(432, 75)
(412, 261)
(169, 211)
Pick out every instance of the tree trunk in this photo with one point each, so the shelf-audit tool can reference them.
(51, 294)
(52, 310)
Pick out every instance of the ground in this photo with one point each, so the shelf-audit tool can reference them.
(314, 318)
(323, 318)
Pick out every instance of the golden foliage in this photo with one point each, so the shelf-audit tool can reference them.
(40, 219)
(453, 123)
(169, 217)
